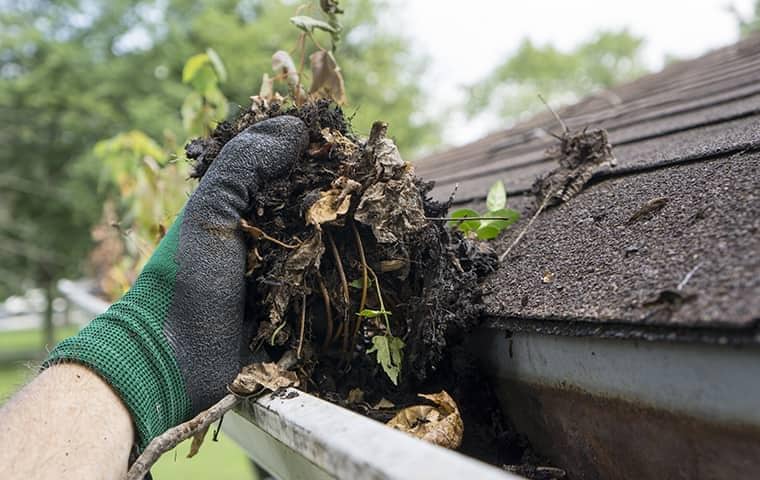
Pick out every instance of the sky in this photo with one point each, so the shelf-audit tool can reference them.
(464, 40)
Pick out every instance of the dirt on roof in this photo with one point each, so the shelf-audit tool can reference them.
(669, 238)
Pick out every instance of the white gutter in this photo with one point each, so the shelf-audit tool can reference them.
(304, 437)
(296, 436)
(715, 382)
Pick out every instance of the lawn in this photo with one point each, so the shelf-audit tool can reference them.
(26, 340)
(222, 460)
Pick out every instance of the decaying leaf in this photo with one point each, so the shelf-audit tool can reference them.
(383, 404)
(306, 256)
(355, 395)
(441, 425)
(326, 77)
(388, 160)
(262, 103)
(392, 209)
(267, 87)
(283, 64)
(328, 207)
(579, 154)
(252, 378)
(389, 351)
(339, 142)
(195, 446)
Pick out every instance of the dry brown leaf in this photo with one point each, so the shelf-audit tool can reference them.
(393, 209)
(441, 425)
(266, 91)
(355, 395)
(282, 63)
(306, 256)
(388, 161)
(197, 442)
(326, 76)
(267, 375)
(383, 404)
(339, 141)
(328, 207)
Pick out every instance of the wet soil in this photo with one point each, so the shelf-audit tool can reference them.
(348, 231)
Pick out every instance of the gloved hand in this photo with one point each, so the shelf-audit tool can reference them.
(174, 341)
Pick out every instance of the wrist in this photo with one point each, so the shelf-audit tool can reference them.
(136, 363)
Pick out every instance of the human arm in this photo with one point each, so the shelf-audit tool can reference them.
(66, 423)
(169, 347)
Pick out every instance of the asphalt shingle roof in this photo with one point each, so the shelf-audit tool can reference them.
(687, 138)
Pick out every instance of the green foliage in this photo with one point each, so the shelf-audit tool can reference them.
(309, 24)
(369, 313)
(79, 71)
(206, 105)
(389, 354)
(497, 217)
(748, 25)
(511, 89)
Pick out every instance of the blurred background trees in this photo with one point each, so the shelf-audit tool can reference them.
(79, 71)
(562, 76)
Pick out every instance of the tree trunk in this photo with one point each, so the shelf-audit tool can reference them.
(48, 327)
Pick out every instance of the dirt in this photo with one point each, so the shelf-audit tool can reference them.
(348, 231)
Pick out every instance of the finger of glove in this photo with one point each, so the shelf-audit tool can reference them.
(262, 152)
(204, 324)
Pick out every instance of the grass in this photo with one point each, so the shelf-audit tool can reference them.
(222, 460)
(31, 339)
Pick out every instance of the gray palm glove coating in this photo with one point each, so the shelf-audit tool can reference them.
(205, 319)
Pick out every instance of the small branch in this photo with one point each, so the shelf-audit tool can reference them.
(328, 311)
(303, 326)
(688, 276)
(176, 435)
(365, 268)
(556, 115)
(339, 266)
(524, 230)
(260, 234)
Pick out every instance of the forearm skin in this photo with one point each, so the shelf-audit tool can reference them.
(66, 424)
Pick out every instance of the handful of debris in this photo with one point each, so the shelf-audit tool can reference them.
(344, 266)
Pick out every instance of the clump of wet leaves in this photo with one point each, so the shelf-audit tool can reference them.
(344, 267)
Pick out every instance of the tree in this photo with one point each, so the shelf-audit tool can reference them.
(511, 89)
(78, 71)
(747, 25)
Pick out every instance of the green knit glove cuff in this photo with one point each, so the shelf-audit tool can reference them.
(126, 345)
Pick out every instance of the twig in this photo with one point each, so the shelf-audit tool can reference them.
(276, 331)
(258, 233)
(303, 326)
(344, 284)
(339, 266)
(365, 268)
(688, 276)
(328, 311)
(176, 435)
(556, 115)
(525, 229)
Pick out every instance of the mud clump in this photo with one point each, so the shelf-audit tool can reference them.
(341, 251)
(347, 274)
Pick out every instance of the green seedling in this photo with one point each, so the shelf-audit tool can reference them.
(389, 349)
(487, 225)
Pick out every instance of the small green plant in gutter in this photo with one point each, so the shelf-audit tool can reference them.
(389, 348)
(487, 225)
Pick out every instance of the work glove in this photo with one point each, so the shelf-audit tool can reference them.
(171, 345)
